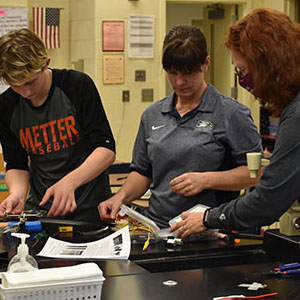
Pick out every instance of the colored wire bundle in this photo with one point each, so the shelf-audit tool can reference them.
(134, 227)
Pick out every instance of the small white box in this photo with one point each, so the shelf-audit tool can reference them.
(196, 208)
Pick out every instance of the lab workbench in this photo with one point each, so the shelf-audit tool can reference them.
(204, 284)
(198, 270)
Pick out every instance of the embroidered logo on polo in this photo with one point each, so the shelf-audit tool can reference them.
(222, 217)
(157, 127)
(203, 125)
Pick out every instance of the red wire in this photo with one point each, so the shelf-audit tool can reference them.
(249, 297)
(54, 234)
(35, 243)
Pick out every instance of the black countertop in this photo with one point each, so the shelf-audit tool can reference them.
(202, 270)
(203, 284)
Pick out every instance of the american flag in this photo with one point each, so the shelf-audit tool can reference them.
(46, 25)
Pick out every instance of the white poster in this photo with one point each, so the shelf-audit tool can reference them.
(12, 18)
(141, 36)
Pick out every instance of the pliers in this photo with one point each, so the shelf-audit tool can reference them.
(287, 269)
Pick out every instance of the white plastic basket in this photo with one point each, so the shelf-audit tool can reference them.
(84, 290)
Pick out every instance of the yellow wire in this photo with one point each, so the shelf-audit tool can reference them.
(135, 228)
(147, 242)
(123, 225)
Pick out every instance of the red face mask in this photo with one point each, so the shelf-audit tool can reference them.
(246, 82)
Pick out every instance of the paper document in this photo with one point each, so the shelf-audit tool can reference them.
(115, 246)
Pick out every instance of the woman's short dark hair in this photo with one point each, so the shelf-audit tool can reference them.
(184, 50)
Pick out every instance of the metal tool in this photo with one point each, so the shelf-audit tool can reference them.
(287, 270)
(26, 214)
(290, 220)
(21, 219)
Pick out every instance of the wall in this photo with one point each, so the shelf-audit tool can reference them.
(14, 3)
(82, 34)
(87, 45)
(221, 69)
(182, 14)
(59, 57)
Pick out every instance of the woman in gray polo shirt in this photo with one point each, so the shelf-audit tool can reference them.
(265, 47)
(191, 146)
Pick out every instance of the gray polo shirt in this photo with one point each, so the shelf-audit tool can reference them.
(214, 136)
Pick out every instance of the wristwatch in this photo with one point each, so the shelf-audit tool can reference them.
(205, 218)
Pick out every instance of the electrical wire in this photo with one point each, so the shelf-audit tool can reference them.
(249, 297)
(134, 227)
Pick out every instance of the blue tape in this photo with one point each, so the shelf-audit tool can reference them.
(30, 226)
(12, 223)
(33, 226)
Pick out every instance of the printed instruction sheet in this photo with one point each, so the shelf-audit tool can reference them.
(115, 246)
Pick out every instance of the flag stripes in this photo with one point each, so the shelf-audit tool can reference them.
(46, 25)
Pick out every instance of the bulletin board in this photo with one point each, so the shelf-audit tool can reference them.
(12, 18)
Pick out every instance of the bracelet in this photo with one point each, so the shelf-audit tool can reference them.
(205, 218)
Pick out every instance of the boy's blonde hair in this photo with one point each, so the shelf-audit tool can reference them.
(22, 53)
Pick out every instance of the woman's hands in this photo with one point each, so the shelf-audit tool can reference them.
(192, 222)
(189, 184)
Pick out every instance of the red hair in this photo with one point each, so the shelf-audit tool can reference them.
(270, 44)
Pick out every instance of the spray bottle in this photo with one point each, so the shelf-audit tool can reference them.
(22, 261)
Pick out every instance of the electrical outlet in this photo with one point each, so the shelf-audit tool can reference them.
(125, 96)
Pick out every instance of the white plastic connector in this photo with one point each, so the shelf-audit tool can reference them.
(255, 162)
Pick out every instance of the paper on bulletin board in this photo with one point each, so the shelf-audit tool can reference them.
(141, 36)
(113, 69)
(113, 35)
(12, 18)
